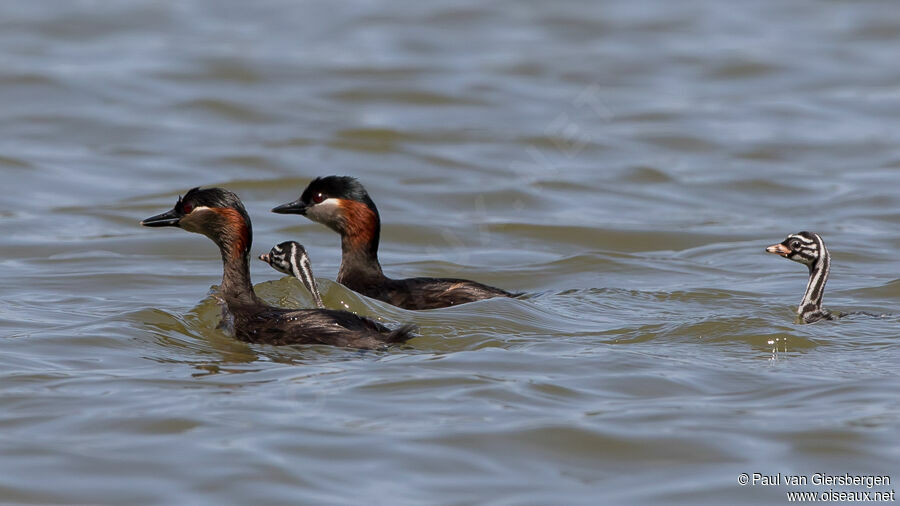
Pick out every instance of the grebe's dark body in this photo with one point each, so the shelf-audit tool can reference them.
(343, 204)
(220, 215)
(808, 249)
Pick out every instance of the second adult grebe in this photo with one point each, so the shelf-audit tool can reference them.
(343, 204)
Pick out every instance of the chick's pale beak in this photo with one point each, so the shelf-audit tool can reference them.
(295, 207)
(779, 249)
(265, 258)
(166, 219)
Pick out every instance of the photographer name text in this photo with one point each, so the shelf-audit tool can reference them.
(817, 479)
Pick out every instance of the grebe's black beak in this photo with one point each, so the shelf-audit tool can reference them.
(779, 249)
(166, 219)
(295, 207)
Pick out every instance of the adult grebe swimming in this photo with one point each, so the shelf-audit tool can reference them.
(343, 204)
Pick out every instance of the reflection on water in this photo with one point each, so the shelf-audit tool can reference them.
(623, 163)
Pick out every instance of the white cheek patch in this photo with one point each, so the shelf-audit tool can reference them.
(324, 211)
(191, 224)
(329, 203)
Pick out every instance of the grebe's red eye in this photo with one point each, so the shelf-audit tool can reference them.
(318, 198)
(187, 208)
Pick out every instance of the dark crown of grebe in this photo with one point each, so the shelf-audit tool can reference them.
(344, 205)
(291, 258)
(219, 214)
(808, 249)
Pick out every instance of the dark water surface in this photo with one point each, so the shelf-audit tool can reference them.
(624, 163)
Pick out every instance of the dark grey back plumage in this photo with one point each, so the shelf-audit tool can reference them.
(422, 293)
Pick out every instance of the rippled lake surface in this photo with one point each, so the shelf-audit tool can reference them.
(623, 163)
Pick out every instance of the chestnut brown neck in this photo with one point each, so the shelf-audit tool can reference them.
(361, 228)
(234, 237)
